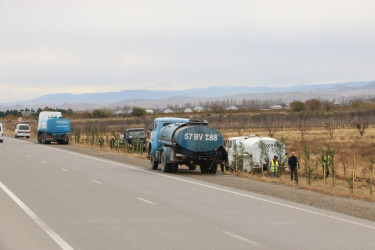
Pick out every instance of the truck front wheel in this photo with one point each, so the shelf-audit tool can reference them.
(165, 167)
(154, 164)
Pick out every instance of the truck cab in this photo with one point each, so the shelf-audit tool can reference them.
(155, 145)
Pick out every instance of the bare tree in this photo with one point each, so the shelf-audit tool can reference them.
(303, 126)
(327, 105)
(361, 123)
(330, 127)
(217, 108)
(371, 172)
(270, 125)
(344, 164)
(127, 109)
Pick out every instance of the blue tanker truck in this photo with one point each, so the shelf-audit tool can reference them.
(177, 141)
(53, 128)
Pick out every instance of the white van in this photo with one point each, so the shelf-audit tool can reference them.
(247, 148)
(1, 132)
(22, 130)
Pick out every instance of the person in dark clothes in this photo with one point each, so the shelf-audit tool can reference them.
(292, 162)
(112, 143)
(224, 158)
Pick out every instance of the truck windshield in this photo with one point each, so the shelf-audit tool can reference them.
(138, 134)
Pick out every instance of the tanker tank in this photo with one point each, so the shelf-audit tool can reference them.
(192, 138)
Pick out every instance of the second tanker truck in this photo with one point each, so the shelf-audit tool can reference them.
(53, 128)
(177, 141)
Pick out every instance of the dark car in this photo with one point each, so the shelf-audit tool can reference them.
(134, 137)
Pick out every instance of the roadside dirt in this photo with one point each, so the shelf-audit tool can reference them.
(352, 207)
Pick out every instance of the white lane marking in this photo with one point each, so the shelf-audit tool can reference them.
(215, 188)
(44, 162)
(241, 238)
(97, 182)
(28, 156)
(64, 169)
(62, 243)
(147, 201)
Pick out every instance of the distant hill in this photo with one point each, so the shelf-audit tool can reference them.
(160, 98)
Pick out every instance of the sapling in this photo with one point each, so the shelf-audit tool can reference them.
(371, 168)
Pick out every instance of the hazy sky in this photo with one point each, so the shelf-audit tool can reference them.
(78, 46)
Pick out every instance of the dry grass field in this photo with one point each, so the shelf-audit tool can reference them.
(351, 151)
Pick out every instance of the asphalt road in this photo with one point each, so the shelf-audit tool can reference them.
(56, 199)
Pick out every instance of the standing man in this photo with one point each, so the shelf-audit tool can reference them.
(112, 143)
(224, 158)
(325, 163)
(292, 162)
(274, 167)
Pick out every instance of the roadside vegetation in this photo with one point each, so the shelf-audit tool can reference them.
(308, 128)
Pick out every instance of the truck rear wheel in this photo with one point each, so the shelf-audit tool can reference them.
(204, 168)
(165, 167)
(174, 167)
(44, 141)
(213, 169)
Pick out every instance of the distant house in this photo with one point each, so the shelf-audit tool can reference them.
(119, 112)
(265, 108)
(232, 108)
(123, 112)
(27, 113)
(167, 111)
(276, 107)
(337, 103)
(188, 110)
(198, 109)
(149, 111)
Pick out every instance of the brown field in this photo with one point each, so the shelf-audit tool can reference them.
(352, 151)
(347, 145)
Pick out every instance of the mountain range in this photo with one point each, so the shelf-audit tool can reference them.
(161, 98)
